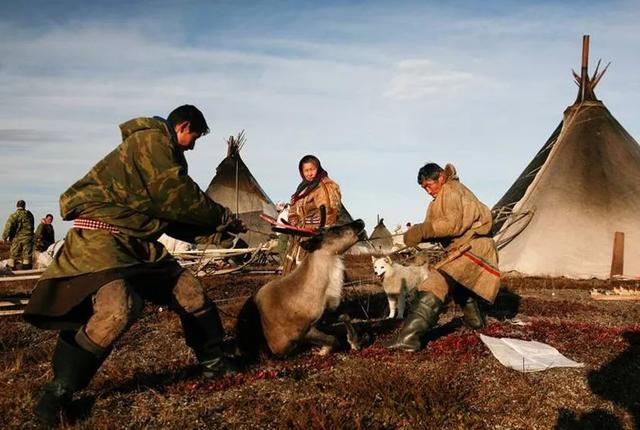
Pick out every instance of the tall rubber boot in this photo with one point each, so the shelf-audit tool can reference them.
(73, 368)
(423, 315)
(472, 315)
(203, 333)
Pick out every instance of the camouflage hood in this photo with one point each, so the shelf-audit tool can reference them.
(141, 124)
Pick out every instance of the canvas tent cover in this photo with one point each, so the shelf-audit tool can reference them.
(581, 188)
(251, 200)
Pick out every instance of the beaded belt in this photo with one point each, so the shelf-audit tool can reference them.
(91, 224)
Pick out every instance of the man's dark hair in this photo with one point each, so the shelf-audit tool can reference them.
(429, 171)
(48, 215)
(192, 114)
(21, 204)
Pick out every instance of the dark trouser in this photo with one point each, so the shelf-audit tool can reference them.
(116, 305)
(20, 252)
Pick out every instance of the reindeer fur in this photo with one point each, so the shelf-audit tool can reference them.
(289, 307)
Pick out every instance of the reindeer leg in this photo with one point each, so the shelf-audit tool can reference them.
(352, 335)
(327, 342)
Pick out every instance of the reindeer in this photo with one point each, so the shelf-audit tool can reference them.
(283, 312)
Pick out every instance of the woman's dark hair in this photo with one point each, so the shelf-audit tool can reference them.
(189, 113)
(309, 159)
(429, 171)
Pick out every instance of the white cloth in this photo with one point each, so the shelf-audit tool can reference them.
(174, 245)
(526, 356)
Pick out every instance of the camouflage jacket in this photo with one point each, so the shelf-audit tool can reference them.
(19, 226)
(454, 218)
(45, 236)
(306, 211)
(142, 189)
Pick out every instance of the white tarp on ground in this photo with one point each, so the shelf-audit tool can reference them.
(526, 356)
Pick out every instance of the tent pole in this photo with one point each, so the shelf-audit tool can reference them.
(584, 76)
(237, 201)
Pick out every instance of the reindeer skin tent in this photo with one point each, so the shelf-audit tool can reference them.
(381, 238)
(560, 216)
(235, 187)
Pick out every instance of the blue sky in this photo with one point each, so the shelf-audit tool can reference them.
(375, 89)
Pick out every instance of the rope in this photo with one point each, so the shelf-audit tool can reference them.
(513, 219)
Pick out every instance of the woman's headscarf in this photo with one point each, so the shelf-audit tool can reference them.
(305, 186)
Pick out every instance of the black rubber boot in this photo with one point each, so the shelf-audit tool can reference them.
(204, 333)
(73, 368)
(423, 315)
(471, 313)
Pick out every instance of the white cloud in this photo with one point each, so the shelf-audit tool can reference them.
(420, 78)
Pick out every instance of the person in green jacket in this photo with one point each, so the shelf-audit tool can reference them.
(19, 231)
(111, 260)
(45, 236)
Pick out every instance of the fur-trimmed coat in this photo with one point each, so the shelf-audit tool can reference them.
(454, 218)
(306, 211)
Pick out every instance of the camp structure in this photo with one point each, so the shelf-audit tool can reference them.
(580, 191)
(235, 187)
(381, 239)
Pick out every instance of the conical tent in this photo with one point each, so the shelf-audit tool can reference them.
(363, 246)
(235, 187)
(381, 238)
(560, 216)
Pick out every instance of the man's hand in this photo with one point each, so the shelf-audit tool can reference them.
(234, 226)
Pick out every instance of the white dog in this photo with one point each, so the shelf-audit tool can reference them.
(398, 281)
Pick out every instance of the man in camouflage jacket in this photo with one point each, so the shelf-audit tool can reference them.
(45, 236)
(455, 218)
(111, 260)
(19, 230)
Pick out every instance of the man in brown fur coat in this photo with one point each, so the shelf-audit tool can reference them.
(454, 218)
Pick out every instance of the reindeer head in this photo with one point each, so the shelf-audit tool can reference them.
(336, 239)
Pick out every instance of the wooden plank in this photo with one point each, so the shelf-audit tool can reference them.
(4, 303)
(611, 297)
(27, 272)
(18, 278)
(617, 259)
(198, 252)
(12, 312)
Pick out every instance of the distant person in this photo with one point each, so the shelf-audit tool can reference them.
(111, 260)
(19, 231)
(45, 236)
(454, 218)
(316, 203)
